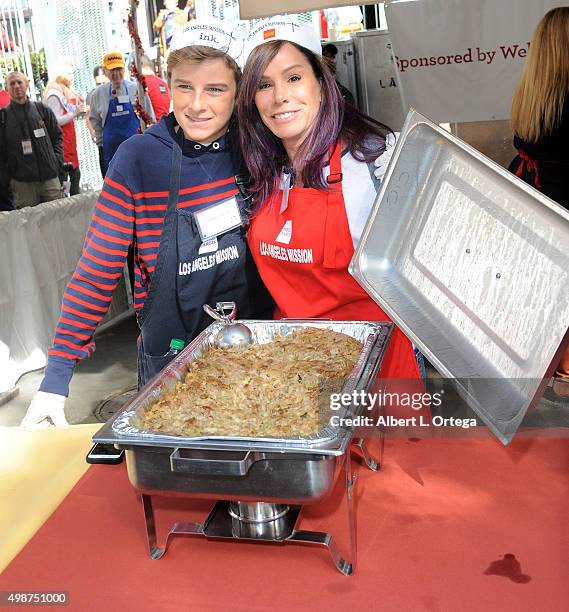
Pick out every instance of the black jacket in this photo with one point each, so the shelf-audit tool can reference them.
(30, 122)
(551, 158)
(552, 148)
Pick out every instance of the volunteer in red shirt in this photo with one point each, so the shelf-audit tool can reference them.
(4, 98)
(156, 88)
(312, 175)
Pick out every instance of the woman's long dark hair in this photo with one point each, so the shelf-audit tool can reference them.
(265, 154)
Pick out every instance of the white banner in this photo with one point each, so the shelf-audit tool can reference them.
(252, 9)
(460, 60)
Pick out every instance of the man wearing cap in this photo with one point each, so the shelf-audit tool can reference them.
(112, 113)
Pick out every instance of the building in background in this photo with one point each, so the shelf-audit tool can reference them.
(16, 41)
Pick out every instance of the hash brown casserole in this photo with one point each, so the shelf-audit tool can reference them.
(264, 390)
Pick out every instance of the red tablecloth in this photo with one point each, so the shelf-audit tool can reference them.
(446, 525)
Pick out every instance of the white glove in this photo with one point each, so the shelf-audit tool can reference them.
(383, 160)
(45, 406)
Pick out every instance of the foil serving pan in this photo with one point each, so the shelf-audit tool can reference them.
(294, 470)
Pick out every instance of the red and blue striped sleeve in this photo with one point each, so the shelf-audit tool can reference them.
(88, 295)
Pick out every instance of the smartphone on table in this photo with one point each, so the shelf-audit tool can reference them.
(105, 453)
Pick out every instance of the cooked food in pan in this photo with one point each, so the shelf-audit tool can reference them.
(277, 389)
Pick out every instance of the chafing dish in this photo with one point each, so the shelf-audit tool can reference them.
(262, 481)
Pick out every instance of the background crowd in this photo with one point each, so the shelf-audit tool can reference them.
(39, 160)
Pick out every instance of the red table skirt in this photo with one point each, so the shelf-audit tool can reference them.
(447, 524)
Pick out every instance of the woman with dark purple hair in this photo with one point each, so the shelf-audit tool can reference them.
(310, 157)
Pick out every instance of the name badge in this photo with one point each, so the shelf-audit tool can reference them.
(27, 147)
(218, 219)
(119, 107)
(208, 246)
(123, 99)
(39, 133)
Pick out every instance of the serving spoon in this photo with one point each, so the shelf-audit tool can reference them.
(232, 335)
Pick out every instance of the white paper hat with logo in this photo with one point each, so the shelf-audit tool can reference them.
(224, 36)
(282, 28)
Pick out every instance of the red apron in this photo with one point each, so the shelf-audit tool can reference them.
(70, 141)
(302, 255)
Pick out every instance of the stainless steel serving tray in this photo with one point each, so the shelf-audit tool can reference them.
(125, 428)
(473, 265)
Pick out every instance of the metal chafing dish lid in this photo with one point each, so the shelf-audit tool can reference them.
(473, 265)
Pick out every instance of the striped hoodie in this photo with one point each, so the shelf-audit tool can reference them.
(131, 205)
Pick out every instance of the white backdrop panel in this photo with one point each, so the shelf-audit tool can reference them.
(459, 60)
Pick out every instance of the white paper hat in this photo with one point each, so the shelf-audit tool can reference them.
(227, 37)
(282, 28)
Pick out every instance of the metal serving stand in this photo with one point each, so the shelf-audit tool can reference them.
(266, 522)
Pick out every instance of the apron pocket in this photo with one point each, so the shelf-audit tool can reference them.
(150, 365)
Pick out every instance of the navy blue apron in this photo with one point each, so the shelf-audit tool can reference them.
(174, 305)
(120, 124)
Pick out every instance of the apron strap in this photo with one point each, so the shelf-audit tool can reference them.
(242, 178)
(175, 172)
(334, 208)
(169, 220)
(108, 105)
(530, 166)
(335, 175)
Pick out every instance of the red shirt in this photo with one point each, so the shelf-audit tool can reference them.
(4, 98)
(159, 95)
